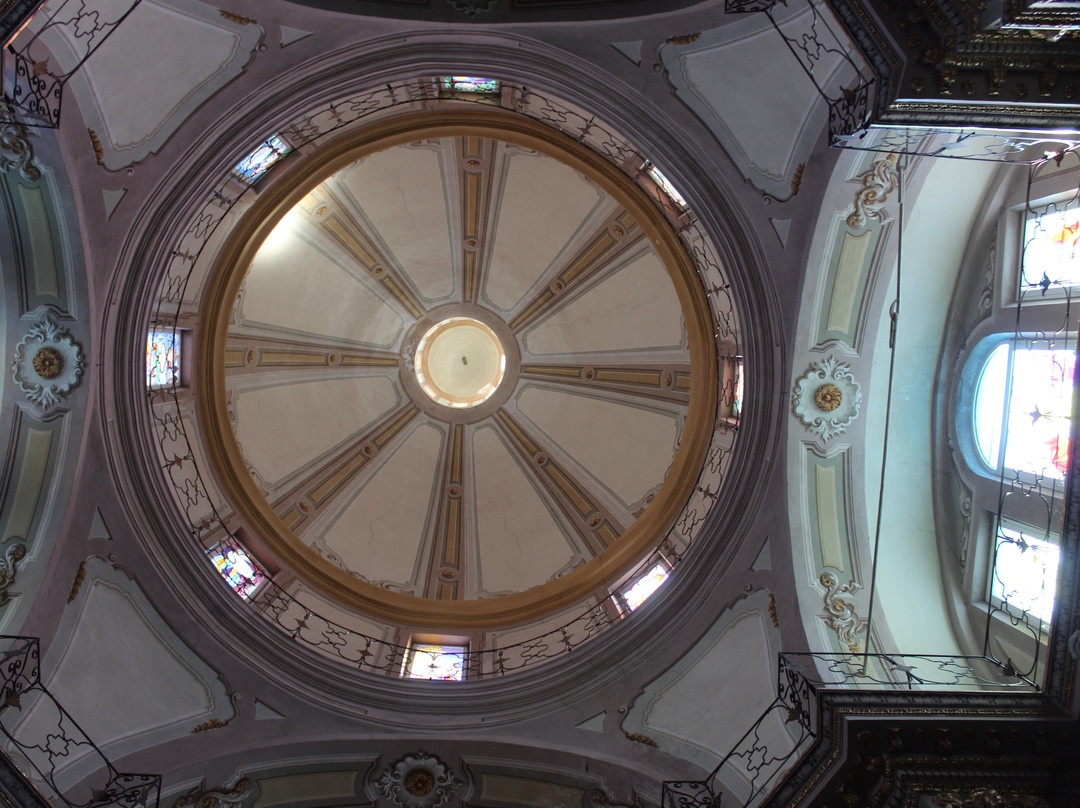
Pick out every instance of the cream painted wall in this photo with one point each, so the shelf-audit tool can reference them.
(936, 232)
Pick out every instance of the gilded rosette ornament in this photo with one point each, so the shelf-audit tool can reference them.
(419, 781)
(48, 364)
(826, 398)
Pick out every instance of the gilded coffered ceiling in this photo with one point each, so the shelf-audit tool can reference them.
(461, 368)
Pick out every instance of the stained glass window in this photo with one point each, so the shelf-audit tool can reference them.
(445, 662)
(665, 184)
(162, 359)
(1025, 573)
(736, 406)
(236, 567)
(470, 84)
(1023, 401)
(639, 591)
(259, 161)
(1052, 249)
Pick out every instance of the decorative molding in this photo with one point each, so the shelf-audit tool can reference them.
(880, 181)
(17, 552)
(826, 398)
(987, 798)
(641, 738)
(216, 799)
(16, 152)
(80, 576)
(236, 18)
(418, 781)
(772, 611)
(213, 723)
(841, 616)
(471, 8)
(95, 143)
(48, 363)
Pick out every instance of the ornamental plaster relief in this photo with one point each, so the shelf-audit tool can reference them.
(826, 398)
(48, 364)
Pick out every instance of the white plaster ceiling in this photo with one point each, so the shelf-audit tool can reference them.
(327, 322)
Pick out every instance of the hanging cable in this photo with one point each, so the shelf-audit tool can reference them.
(894, 317)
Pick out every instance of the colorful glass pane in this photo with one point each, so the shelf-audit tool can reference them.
(639, 591)
(259, 161)
(1025, 573)
(237, 568)
(737, 404)
(470, 84)
(1052, 249)
(1040, 412)
(162, 359)
(666, 186)
(446, 662)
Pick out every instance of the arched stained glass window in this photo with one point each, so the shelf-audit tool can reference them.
(1022, 410)
(1052, 249)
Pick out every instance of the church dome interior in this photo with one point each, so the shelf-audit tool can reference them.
(539, 404)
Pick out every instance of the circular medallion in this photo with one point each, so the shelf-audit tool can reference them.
(460, 362)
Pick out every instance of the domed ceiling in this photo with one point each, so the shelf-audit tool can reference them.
(460, 369)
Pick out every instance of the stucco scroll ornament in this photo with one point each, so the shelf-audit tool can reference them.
(47, 364)
(15, 148)
(472, 7)
(826, 398)
(14, 553)
(419, 781)
(223, 798)
(880, 181)
(841, 616)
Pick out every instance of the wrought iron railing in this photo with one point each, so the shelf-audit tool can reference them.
(759, 759)
(45, 741)
(33, 84)
(199, 503)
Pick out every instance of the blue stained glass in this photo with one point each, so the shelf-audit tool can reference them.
(236, 567)
(259, 161)
(665, 185)
(162, 359)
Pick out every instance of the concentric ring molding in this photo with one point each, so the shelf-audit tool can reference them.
(295, 180)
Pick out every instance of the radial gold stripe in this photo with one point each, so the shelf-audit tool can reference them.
(472, 204)
(470, 274)
(473, 146)
(567, 487)
(607, 533)
(446, 591)
(373, 361)
(320, 494)
(455, 459)
(453, 531)
(627, 221)
(682, 381)
(650, 377)
(291, 358)
(536, 304)
(383, 437)
(400, 296)
(596, 249)
(349, 240)
(234, 358)
(518, 433)
(550, 370)
(291, 518)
